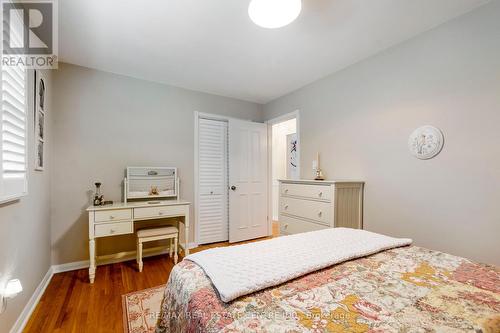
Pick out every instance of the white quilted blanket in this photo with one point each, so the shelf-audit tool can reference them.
(240, 270)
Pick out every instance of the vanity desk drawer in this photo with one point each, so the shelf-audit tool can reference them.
(113, 229)
(156, 212)
(113, 215)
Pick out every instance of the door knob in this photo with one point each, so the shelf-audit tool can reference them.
(233, 188)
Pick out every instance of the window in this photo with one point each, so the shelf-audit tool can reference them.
(13, 130)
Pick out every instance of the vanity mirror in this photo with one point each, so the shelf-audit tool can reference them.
(151, 183)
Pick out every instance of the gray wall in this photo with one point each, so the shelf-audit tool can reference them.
(359, 119)
(25, 224)
(106, 122)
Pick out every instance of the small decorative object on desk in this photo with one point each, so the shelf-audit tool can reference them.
(98, 197)
(154, 190)
(319, 173)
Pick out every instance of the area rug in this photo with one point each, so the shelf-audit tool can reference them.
(141, 310)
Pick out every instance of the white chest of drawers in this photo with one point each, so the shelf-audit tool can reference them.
(308, 205)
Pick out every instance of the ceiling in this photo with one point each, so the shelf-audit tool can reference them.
(212, 46)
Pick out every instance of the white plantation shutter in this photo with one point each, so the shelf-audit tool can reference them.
(13, 121)
(13, 130)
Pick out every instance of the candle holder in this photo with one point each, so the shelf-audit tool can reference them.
(319, 175)
(319, 172)
(98, 197)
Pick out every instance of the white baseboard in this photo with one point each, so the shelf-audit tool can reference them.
(70, 266)
(130, 255)
(109, 259)
(25, 315)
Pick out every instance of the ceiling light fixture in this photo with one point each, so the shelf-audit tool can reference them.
(273, 14)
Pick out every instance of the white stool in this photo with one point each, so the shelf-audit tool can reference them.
(154, 234)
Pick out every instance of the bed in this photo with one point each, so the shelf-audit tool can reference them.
(403, 289)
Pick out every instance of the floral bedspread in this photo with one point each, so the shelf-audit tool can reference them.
(409, 289)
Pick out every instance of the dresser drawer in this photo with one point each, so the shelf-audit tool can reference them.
(113, 215)
(318, 192)
(290, 226)
(313, 210)
(112, 229)
(155, 212)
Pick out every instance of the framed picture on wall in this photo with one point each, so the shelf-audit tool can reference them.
(39, 156)
(292, 170)
(40, 111)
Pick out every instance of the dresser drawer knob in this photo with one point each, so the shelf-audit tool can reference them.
(285, 226)
(286, 190)
(112, 231)
(160, 213)
(320, 213)
(286, 207)
(320, 194)
(111, 217)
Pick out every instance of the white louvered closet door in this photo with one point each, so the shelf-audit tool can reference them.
(213, 182)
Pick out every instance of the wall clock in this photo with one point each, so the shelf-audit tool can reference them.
(426, 142)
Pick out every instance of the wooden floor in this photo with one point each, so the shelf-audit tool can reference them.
(71, 304)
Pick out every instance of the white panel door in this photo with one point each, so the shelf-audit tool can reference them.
(247, 180)
(212, 176)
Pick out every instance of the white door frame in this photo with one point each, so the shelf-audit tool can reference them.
(197, 116)
(292, 115)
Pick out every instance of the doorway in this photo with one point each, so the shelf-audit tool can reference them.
(284, 156)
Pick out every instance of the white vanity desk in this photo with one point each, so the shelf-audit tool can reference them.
(118, 219)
